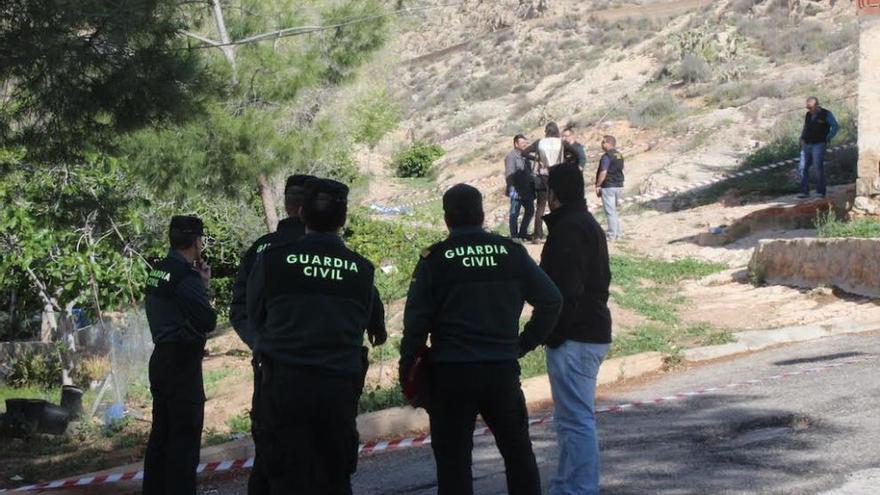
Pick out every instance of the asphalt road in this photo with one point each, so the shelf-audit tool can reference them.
(811, 433)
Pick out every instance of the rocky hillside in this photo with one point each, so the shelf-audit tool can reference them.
(688, 86)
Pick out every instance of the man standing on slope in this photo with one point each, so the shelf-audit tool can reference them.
(545, 153)
(609, 184)
(520, 188)
(820, 127)
(568, 135)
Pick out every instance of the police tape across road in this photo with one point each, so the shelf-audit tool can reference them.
(425, 439)
(497, 178)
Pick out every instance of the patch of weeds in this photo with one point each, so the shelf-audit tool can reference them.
(212, 436)
(656, 109)
(389, 351)
(829, 225)
(213, 378)
(239, 423)
(533, 363)
(378, 398)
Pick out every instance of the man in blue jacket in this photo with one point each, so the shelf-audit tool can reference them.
(820, 127)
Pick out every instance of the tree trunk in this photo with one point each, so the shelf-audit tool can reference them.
(227, 49)
(268, 198)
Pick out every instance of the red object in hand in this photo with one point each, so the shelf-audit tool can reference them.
(415, 387)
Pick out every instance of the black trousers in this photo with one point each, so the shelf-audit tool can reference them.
(173, 448)
(258, 481)
(458, 393)
(307, 433)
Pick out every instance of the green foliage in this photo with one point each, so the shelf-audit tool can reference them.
(416, 160)
(829, 225)
(373, 115)
(240, 423)
(656, 109)
(35, 369)
(783, 37)
(533, 363)
(389, 244)
(694, 68)
(345, 49)
(79, 73)
(668, 339)
(378, 398)
(71, 234)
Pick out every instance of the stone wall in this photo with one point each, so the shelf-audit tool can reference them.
(868, 183)
(853, 265)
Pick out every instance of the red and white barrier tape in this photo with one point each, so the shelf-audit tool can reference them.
(425, 439)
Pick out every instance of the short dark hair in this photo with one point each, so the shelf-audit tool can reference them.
(463, 206)
(295, 192)
(184, 230)
(551, 130)
(325, 206)
(517, 138)
(610, 140)
(813, 98)
(567, 183)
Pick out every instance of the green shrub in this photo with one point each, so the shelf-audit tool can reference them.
(656, 109)
(392, 244)
(35, 369)
(417, 160)
(694, 68)
(240, 423)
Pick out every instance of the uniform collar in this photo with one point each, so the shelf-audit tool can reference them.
(323, 237)
(459, 231)
(175, 255)
(290, 223)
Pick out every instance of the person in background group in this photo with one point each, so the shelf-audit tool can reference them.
(180, 317)
(609, 184)
(569, 136)
(820, 127)
(576, 259)
(467, 294)
(289, 229)
(520, 188)
(309, 302)
(545, 153)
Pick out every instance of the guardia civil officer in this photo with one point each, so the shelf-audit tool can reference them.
(310, 301)
(468, 294)
(289, 229)
(180, 317)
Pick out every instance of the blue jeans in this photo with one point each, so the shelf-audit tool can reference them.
(518, 229)
(812, 154)
(573, 368)
(610, 198)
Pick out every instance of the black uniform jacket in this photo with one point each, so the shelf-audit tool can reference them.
(180, 317)
(289, 229)
(468, 294)
(309, 301)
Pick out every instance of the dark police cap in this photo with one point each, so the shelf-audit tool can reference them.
(462, 198)
(326, 189)
(186, 224)
(567, 182)
(296, 183)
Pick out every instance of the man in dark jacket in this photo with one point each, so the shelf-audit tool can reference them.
(576, 259)
(468, 294)
(580, 158)
(180, 317)
(310, 301)
(820, 127)
(520, 188)
(290, 229)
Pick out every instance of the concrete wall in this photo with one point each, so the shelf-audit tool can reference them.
(852, 265)
(868, 183)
